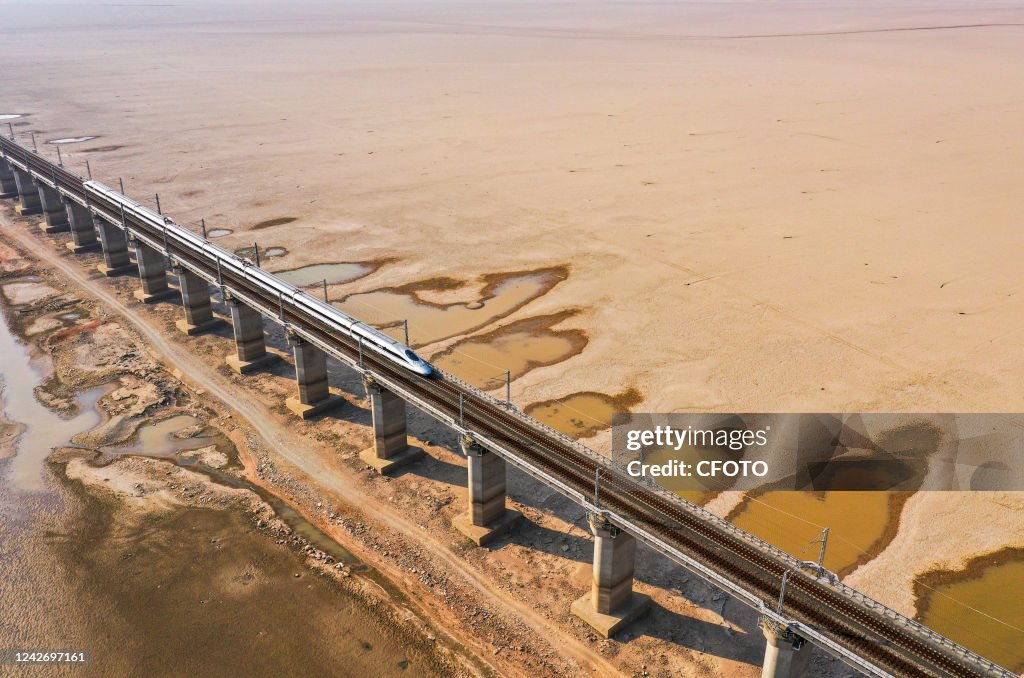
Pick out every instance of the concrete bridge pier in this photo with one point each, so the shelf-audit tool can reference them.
(195, 299)
(314, 395)
(115, 248)
(8, 186)
(83, 231)
(786, 654)
(54, 214)
(390, 449)
(28, 194)
(611, 602)
(487, 518)
(250, 345)
(152, 273)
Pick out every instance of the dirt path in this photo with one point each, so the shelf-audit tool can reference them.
(290, 447)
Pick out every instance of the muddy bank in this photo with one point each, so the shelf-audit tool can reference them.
(960, 604)
(517, 348)
(442, 308)
(174, 564)
(161, 573)
(583, 414)
(862, 524)
(330, 273)
(183, 548)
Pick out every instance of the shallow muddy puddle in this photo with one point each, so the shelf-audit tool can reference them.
(164, 440)
(70, 140)
(430, 322)
(265, 253)
(45, 429)
(159, 439)
(334, 274)
(218, 232)
(581, 415)
(483, 364)
(517, 348)
(9, 116)
(982, 608)
(860, 523)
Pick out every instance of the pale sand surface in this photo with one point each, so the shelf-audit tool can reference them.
(719, 200)
(929, 540)
(826, 218)
(26, 293)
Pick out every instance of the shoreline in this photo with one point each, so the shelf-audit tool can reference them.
(894, 506)
(78, 463)
(929, 582)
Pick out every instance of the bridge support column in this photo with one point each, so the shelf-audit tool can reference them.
(152, 273)
(611, 602)
(314, 394)
(115, 248)
(28, 194)
(487, 518)
(250, 346)
(786, 654)
(195, 299)
(8, 186)
(54, 215)
(390, 449)
(83, 231)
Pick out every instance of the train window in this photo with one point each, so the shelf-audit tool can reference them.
(412, 356)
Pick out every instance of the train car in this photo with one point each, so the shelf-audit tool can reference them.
(370, 337)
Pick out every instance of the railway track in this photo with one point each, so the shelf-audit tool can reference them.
(827, 611)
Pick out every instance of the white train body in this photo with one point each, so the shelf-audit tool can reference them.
(369, 338)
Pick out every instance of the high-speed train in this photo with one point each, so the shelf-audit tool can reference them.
(370, 338)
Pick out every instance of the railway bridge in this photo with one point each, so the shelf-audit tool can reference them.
(817, 610)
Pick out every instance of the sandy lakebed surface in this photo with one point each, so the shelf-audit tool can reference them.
(742, 206)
